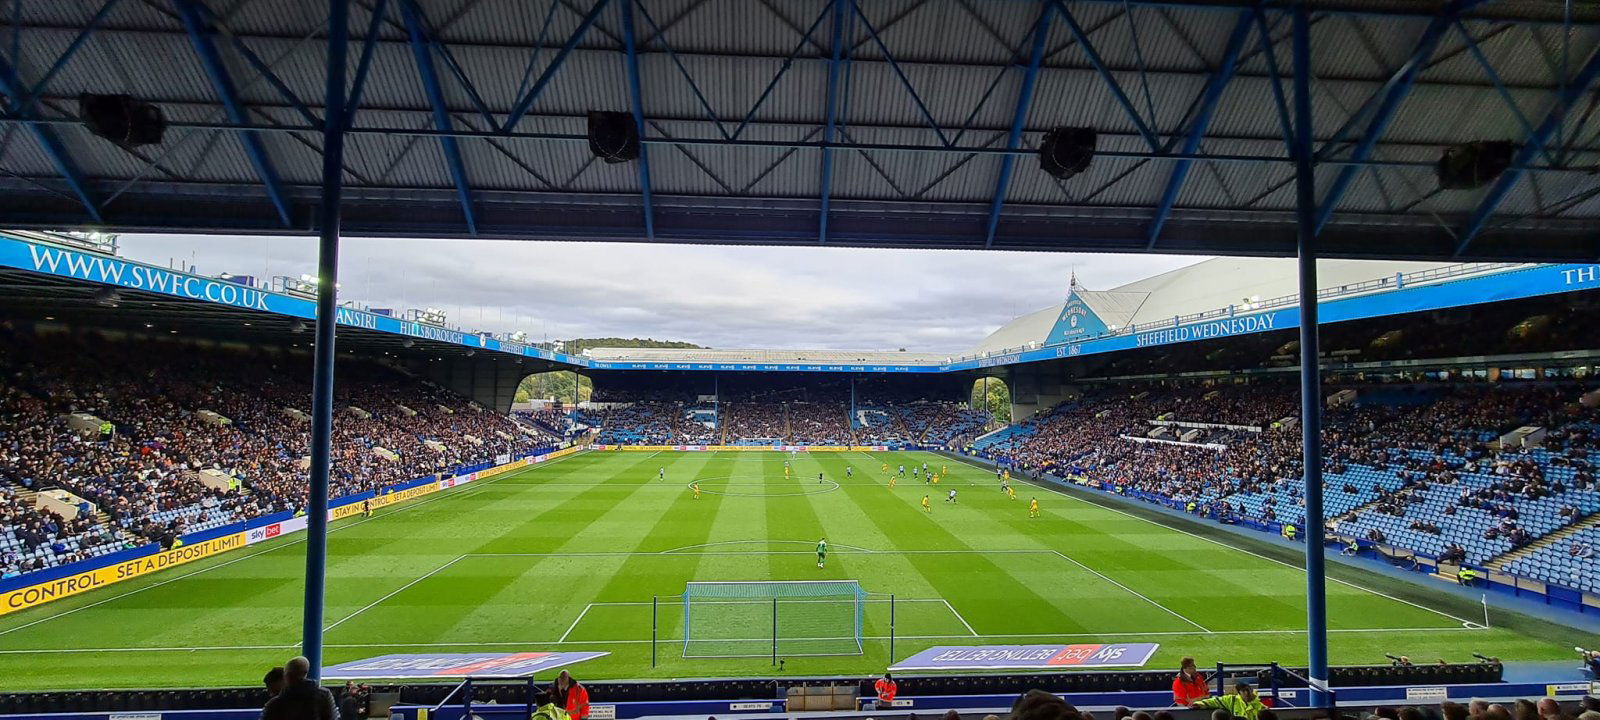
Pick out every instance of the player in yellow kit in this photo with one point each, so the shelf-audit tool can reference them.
(1033, 507)
(696, 488)
(886, 468)
(891, 482)
(936, 479)
(1011, 492)
(925, 506)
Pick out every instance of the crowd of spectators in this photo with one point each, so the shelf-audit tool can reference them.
(1392, 455)
(753, 422)
(167, 438)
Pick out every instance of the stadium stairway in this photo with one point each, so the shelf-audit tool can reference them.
(1352, 512)
(1499, 562)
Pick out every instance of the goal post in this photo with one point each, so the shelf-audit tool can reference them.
(776, 619)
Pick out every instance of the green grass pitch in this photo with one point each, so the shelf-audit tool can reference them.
(568, 555)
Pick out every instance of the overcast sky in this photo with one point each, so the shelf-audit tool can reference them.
(726, 297)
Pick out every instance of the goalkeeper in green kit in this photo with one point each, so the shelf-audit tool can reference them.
(822, 552)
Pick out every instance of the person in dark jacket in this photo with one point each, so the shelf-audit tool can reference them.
(302, 698)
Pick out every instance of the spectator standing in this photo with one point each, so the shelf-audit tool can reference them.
(350, 704)
(886, 688)
(301, 698)
(274, 682)
(570, 695)
(1189, 686)
(1242, 703)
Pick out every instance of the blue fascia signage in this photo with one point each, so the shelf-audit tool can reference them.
(1525, 282)
(1077, 320)
(93, 267)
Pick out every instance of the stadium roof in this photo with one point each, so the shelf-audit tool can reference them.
(889, 123)
(1247, 284)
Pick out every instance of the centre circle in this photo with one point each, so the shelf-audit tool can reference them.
(753, 485)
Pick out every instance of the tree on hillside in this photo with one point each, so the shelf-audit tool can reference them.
(557, 385)
(998, 403)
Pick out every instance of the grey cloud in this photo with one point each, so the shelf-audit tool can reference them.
(833, 298)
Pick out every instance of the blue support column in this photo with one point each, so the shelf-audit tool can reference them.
(334, 124)
(1394, 92)
(422, 50)
(638, 119)
(1310, 363)
(11, 86)
(200, 36)
(833, 118)
(1008, 162)
(1202, 121)
(1531, 148)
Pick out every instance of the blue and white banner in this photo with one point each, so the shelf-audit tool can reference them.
(1075, 332)
(455, 665)
(108, 270)
(1522, 282)
(1029, 657)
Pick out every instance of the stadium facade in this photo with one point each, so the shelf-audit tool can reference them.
(1037, 353)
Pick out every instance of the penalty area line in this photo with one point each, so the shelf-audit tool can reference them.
(963, 620)
(575, 622)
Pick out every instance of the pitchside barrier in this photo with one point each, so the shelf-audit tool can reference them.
(756, 698)
(37, 588)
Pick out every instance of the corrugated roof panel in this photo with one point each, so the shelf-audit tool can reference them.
(963, 58)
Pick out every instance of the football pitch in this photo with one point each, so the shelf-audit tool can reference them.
(568, 555)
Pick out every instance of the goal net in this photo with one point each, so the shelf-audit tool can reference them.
(758, 619)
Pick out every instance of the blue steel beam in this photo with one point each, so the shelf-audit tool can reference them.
(200, 33)
(659, 36)
(1099, 64)
(1274, 79)
(784, 68)
(900, 74)
(11, 86)
(364, 65)
(1500, 87)
(1310, 365)
(1202, 120)
(550, 70)
(67, 54)
(1008, 163)
(422, 51)
(638, 118)
(1394, 92)
(1570, 93)
(264, 69)
(833, 117)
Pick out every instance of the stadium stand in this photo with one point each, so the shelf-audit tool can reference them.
(759, 409)
(1419, 468)
(143, 441)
